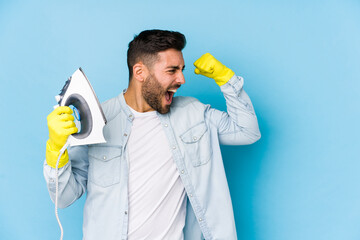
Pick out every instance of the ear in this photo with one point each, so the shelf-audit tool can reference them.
(140, 72)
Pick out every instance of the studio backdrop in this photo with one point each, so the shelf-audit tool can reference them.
(301, 64)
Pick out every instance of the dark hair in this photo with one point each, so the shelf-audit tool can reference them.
(145, 46)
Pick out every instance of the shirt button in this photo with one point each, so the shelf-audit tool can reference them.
(200, 219)
(130, 115)
(182, 171)
(104, 157)
(194, 138)
(125, 134)
(173, 147)
(190, 195)
(165, 125)
(125, 212)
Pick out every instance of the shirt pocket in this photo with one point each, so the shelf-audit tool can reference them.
(104, 165)
(196, 141)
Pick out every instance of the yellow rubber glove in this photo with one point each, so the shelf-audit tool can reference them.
(210, 67)
(61, 125)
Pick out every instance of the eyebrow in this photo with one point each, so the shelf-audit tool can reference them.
(176, 67)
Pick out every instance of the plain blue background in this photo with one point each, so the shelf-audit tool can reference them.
(301, 64)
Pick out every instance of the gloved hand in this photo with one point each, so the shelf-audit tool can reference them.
(210, 67)
(61, 125)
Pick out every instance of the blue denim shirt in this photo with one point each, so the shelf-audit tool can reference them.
(194, 131)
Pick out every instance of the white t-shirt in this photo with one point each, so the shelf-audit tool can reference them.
(157, 198)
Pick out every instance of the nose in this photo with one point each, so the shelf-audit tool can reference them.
(180, 78)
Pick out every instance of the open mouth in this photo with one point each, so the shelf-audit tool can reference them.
(169, 95)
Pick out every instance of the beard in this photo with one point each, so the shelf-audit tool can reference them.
(153, 93)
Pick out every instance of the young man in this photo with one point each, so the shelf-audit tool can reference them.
(160, 174)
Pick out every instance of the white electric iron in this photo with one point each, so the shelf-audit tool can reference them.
(78, 94)
(89, 117)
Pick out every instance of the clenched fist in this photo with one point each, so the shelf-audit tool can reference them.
(210, 67)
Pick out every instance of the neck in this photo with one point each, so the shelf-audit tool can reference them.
(135, 100)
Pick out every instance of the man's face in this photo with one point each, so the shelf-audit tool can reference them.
(165, 77)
